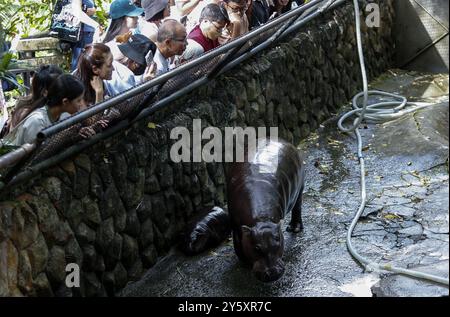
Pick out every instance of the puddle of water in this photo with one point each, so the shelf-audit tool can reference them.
(361, 286)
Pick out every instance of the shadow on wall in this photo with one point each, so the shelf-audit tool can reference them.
(421, 35)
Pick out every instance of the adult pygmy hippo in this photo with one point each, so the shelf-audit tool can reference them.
(208, 229)
(261, 191)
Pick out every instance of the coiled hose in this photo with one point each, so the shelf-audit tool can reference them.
(375, 113)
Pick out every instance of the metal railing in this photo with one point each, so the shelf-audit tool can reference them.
(76, 118)
(161, 91)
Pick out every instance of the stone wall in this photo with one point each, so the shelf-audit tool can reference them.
(117, 207)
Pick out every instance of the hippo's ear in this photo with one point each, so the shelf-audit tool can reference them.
(246, 229)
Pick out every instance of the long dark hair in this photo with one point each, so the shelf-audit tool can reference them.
(92, 55)
(113, 29)
(42, 79)
(64, 86)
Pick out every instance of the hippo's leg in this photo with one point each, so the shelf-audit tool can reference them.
(296, 224)
(238, 247)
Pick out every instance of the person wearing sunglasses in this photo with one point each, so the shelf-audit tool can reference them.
(204, 37)
(191, 17)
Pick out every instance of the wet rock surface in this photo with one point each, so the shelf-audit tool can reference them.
(119, 206)
(405, 223)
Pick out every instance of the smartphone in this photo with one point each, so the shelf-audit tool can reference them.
(149, 58)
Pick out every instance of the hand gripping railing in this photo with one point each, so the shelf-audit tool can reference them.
(294, 20)
(81, 116)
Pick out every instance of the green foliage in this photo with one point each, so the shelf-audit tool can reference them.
(27, 17)
(102, 13)
(6, 63)
(6, 148)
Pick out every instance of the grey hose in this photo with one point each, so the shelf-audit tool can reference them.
(375, 113)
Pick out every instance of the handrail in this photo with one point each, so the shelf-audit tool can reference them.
(32, 171)
(81, 116)
(281, 34)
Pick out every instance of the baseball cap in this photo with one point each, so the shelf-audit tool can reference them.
(122, 8)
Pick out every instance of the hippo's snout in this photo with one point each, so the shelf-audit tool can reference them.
(269, 273)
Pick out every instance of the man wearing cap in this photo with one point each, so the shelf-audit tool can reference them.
(124, 16)
(155, 12)
(171, 41)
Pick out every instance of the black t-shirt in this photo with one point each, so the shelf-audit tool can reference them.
(260, 13)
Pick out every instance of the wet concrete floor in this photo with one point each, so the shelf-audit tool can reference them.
(406, 221)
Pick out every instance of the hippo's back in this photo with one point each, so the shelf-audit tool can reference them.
(267, 185)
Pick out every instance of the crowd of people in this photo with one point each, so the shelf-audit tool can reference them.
(144, 39)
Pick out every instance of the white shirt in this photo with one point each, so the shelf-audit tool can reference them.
(115, 51)
(149, 29)
(162, 64)
(193, 50)
(27, 130)
(122, 79)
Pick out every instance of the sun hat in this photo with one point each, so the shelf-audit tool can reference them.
(152, 7)
(137, 47)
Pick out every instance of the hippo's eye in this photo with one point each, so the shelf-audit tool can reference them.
(257, 248)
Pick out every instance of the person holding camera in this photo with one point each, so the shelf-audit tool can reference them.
(138, 53)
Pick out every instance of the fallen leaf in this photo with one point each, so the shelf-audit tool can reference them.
(391, 216)
(415, 173)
